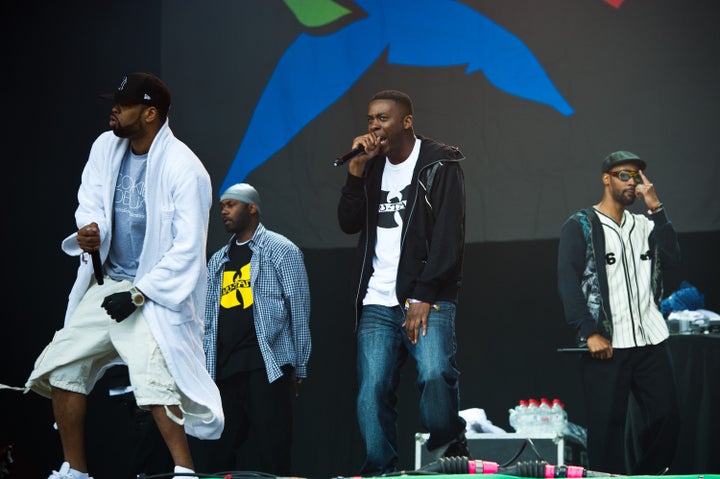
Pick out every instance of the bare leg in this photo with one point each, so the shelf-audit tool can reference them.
(69, 409)
(174, 435)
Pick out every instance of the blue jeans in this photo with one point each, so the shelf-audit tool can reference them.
(383, 347)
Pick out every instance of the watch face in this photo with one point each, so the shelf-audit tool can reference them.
(137, 298)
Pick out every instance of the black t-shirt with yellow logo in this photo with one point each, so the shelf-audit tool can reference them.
(237, 342)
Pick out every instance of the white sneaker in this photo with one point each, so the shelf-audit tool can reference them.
(64, 473)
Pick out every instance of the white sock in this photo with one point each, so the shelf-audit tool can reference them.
(183, 469)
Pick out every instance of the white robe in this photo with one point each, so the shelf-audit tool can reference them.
(172, 270)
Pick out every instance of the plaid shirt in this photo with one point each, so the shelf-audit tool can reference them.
(281, 303)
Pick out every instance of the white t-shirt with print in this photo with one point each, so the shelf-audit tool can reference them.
(395, 185)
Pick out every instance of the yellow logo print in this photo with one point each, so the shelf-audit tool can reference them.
(236, 290)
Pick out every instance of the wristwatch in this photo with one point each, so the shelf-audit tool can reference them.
(137, 297)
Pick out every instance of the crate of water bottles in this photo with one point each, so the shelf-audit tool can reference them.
(541, 423)
(532, 417)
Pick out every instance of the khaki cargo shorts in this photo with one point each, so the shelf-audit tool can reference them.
(91, 341)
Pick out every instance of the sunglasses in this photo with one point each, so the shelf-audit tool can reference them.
(625, 175)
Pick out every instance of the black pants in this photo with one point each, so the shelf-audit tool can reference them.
(258, 427)
(646, 374)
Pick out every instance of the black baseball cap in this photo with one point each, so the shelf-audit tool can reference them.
(620, 157)
(141, 88)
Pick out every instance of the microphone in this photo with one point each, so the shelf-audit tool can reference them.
(97, 266)
(349, 155)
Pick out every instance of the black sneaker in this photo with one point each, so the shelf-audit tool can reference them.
(458, 448)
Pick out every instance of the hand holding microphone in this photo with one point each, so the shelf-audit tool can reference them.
(365, 144)
(89, 240)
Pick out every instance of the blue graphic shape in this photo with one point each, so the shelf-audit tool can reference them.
(317, 70)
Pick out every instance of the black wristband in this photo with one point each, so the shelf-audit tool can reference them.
(655, 210)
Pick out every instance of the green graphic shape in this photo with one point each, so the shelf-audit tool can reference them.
(316, 13)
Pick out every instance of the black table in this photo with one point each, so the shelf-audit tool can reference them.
(696, 362)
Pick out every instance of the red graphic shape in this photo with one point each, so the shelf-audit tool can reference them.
(615, 3)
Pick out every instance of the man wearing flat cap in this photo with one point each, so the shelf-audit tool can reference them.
(610, 282)
(144, 202)
(257, 339)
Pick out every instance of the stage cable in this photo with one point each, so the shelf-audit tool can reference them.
(539, 469)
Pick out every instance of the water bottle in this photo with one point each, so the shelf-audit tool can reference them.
(544, 413)
(533, 417)
(518, 416)
(559, 416)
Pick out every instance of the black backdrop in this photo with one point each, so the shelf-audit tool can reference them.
(58, 56)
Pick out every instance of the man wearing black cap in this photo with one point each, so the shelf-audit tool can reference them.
(143, 212)
(610, 284)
